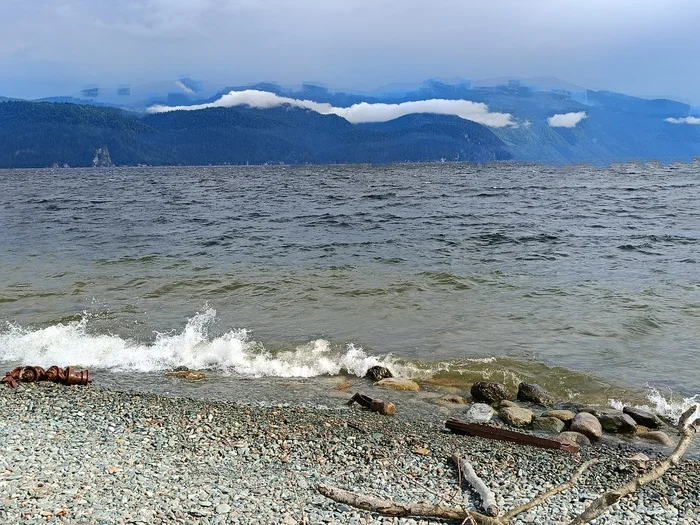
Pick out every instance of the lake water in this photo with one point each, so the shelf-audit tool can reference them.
(584, 280)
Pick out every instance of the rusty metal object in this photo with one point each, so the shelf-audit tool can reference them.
(501, 434)
(32, 374)
(386, 408)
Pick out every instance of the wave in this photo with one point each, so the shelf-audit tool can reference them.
(670, 408)
(234, 352)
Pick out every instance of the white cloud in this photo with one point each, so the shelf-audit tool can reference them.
(357, 113)
(566, 120)
(684, 120)
(183, 87)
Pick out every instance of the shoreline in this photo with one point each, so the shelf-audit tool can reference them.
(95, 455)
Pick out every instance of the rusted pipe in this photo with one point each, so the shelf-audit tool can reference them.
(32, 374)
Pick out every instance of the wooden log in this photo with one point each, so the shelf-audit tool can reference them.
(488, 500)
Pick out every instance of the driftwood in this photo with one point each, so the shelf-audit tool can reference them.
(375, 405)
(488, 500)
(445, 511)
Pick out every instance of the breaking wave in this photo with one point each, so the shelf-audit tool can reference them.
(233, 352)
(669, 407)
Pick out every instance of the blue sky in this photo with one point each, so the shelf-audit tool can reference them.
(642, 47)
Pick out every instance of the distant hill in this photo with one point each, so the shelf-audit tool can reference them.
(39, 134)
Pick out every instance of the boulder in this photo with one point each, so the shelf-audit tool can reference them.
(516, 416)
(588, 425)
(657, 436)
(506, 403)
(548, 424)
(535, 394)
(489, 392)
(567, 416)
(479, 413)
(617, 422)
(377, 373)
(396, 383)
(643, 417)
(573, 437)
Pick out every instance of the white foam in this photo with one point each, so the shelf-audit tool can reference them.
(233, 352)
(670, 407)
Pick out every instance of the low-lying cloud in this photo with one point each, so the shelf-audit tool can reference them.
(357, 113)
(566, 120)
(683, 120)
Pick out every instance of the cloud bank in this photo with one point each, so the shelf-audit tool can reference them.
(684, 120)
(566, 120)
(357, 113)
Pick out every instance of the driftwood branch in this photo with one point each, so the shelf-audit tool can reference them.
(556, 490)
(396, 509)
(488, 500)
(599, 506)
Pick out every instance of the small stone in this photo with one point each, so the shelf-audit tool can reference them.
(643, 417)
(303, 484)
(399, 384)
(588, 425)
(548, 424)
(657, 436)
(489, 392)
(479, 413)
(377, 373)
(223, 509)
(567, 416)
(573, 437)
(507, 403)
(534, 393)
(452, 399)
(516, 416)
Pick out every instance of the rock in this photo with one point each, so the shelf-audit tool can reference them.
(190, 375)
(588, 425)
(506, 403)
(479, 413)
(617, 422)
(548, 424)
(386, 408)
(567, 416)
(345, 385)
(102, 158)
(534, 393)
(489, 392)
(573, 437)
(452, 399)
(516, 416)
(396, 383)
(643, 417)
(657, 436)
(223, 509)
(377, 373)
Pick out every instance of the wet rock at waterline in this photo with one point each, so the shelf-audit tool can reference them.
(190, 375)
(377, 373)
(396, 383)
(616, 422)
(643, 417)
(548, 424)
(516, 416)
(489, 392)
(587, 424)
(657, 436)
(452, 399)
(535, 394)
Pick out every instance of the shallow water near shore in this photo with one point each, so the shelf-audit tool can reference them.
(584, 280)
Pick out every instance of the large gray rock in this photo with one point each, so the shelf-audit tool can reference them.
(548, 424)
(643, 417)
(567, 416)
(516, 416)
(617, 422)
(573, 437)
(479, 413)
(535, 394)
(657, 436)
(489, 392)
(588, 425)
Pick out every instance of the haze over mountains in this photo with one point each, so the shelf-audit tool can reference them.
(188, 122)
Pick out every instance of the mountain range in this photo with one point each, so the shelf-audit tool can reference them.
(597, 127)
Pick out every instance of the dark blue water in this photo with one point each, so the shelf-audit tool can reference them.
(585, 279)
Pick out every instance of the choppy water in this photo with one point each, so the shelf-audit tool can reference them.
(585, 280)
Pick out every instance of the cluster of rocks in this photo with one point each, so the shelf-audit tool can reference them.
(534, 408)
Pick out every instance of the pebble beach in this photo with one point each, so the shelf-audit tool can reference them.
(98, 456)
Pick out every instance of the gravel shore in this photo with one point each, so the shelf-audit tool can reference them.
(91, 455)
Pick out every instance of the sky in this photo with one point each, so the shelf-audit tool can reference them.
(57, 47)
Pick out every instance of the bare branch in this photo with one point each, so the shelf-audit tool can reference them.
(488, 500)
